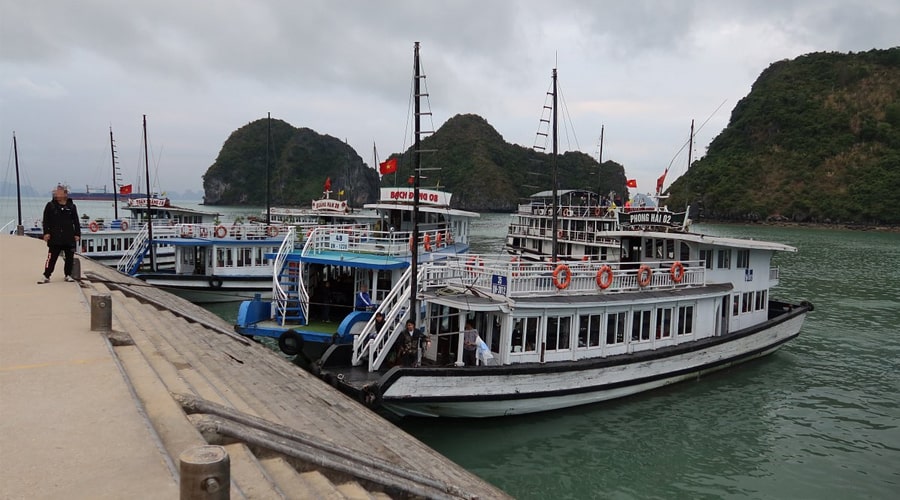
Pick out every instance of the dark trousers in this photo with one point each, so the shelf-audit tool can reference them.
(469, 357)
(53, 254)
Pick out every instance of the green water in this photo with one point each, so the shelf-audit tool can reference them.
(818, 419)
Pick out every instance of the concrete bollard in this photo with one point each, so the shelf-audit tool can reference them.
(205, 473)
(76, 269)
(101, 312)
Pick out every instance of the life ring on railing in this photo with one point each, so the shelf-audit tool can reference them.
(427, 242)
(566, 212)
(94, 226)
(438, 239)
(221, 231)
(204, 231)
(565, 280)
(215, 282)
(597, 211)
(677, 271)
(645, 274)
(187, 230)
(124, 226)
(473, 264)
(272, 231)
(604, 277)
(560, 234)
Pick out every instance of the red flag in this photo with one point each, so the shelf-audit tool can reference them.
(632, 183)
(660, 182)
(388, 167)
(125, 189)
(328, 184)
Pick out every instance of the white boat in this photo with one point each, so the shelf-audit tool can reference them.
(594, 304)
(212, 262)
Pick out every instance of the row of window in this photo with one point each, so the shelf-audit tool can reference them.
(722, 258)
(596, 330)
(243, 257)
(749, 302)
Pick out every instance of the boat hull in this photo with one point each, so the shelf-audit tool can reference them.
(207, 290)
(530, 388)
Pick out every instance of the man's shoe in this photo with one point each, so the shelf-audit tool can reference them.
(44, 279)
(69, 278)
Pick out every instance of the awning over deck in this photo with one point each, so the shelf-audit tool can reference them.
(360, 260)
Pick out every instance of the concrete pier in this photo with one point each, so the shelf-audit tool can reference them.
(106, 414)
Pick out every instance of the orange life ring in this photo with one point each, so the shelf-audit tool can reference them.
(427, 242)
(562, 268)
(124, 226)
(566, 212)
(604, 277)
(438, 239)
(645, 274)
(677, 271)
(187, 230)
(473, 264)
(94, 226)
(560, 234)
(221, 231)
(272, 231)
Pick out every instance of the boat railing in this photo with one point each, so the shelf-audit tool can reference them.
(279, 294)
(578, 211)
(234, 231)
(394, 308)
(525, 279)
(360, 238)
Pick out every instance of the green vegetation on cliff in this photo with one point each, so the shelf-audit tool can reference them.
(817, 139)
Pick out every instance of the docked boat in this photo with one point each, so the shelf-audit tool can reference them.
(594, 303)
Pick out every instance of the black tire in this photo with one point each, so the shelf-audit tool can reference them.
(290, 343)
(215, 283)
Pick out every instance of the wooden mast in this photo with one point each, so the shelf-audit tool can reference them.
(555, 204)
(112, 152)
(417, 164)
(149, 207)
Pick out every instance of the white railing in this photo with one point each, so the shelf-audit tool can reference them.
(233, 231)
(394, 307)
(361, 239)
(141, 245)
(525, 279)
(279, 294)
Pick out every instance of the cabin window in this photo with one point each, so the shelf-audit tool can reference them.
(685, 320)
(724, 259)
(761, 299)
(747, 301)
(615, 328)
(743, 259)
(736, 307)
(648, 248)
(707, 257)
(524, 335)
(220, 257)
(589, 330)
(640, 326)
(685, 251)
(664, 323)
(558, 332)
(670, 249)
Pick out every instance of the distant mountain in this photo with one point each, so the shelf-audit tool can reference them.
(816, 139)
(466, 156)
(9, 189)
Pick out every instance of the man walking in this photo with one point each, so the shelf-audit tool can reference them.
(62, 232)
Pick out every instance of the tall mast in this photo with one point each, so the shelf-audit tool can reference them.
(112, 152)
(555, 204)
(20, 229)
(268, 140)
(600, 169)
(691, 144)
(417, 164)
(149, 214)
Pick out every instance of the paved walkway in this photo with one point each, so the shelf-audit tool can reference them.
(69, 426)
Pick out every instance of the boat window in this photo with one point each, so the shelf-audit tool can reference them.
(664, 323)
(685, 320)
(747, 302)
(659, 248)
(648, 248)
(640, 326)
(685, 253)
(558, 332)
(615, 328)
(724, 259)
(589, 330)
(524, 335)
(736, 307)
(707, 257)
(220, 257)
(761, 300)
(670, 249)
(743, 259)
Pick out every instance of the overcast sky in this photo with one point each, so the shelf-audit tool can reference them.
(201, 69)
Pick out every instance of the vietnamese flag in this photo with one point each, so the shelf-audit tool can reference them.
(388, 167)
(125, 189)
(660, 182)
(328, 184)
(632, 183)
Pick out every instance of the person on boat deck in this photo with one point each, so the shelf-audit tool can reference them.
(410, 341)
(379, 324)
(62, 232)
(363, 300)
(470, 344)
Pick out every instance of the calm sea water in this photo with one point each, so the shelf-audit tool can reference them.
(818, 419)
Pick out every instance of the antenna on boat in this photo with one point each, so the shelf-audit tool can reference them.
(417, 164)
(268, 146)
(112, 151)
(149, 214)
(600, 165)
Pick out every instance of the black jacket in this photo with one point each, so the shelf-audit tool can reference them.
(61, 223)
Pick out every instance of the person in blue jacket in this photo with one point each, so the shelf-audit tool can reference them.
(62, 232)
(363, 300)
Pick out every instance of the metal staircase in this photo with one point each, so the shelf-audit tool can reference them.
(131, 261)
(290, 299)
